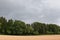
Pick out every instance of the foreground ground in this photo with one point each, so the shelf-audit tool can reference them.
(42, 37)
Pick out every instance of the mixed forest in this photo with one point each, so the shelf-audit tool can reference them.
(18, 27)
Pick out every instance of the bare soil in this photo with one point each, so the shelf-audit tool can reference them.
(41, 37)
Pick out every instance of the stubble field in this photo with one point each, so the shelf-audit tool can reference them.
(41, 37)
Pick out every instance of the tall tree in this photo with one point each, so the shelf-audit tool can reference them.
(19, 27)
(29, 29)
(10, 26)
(3, 23)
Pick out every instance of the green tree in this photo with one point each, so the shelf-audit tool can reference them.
(19, 27)
(53, 29)
(10, 26)
(3, 23)
(29, 29)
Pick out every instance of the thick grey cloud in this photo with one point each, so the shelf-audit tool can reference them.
(47, 11)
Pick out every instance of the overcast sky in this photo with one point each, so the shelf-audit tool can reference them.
(46, 11)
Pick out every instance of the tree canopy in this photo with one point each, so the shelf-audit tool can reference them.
(18, 27)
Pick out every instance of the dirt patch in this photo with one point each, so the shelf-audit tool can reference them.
(42, 37)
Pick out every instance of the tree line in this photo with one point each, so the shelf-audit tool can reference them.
(18, 27)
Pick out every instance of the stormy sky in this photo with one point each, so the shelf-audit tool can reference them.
(46, 11)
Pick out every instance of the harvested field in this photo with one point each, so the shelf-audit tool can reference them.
(41, 37)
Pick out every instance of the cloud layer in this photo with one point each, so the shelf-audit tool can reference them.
(47, 11)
